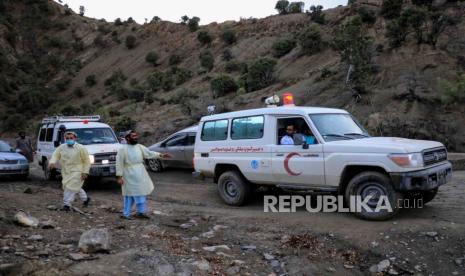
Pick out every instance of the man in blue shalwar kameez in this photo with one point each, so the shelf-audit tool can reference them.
(132, 176)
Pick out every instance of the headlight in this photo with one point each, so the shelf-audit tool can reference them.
(23, 161)
(91, 158)
(407, 160)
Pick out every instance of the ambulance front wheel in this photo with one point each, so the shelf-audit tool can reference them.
(233, 188)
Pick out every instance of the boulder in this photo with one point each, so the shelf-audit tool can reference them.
(95, 240)
(26, 220)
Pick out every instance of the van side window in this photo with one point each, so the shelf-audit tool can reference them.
(214, 130)
(49, 136)
(42, 134)
(247, 128)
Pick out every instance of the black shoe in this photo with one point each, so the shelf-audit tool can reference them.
(86, 202)
(66, 208)
(142, 216)
(126, 218)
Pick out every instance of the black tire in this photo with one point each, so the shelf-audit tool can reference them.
(49, 174)
(376, 184)
(155, 165)
(425, 196)
(233, 188)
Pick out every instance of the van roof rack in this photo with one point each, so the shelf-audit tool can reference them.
(54, 119)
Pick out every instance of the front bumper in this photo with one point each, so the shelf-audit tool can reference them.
(103, 170)
(422, 180)
(18, 169)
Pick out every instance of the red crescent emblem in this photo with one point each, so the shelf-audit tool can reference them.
(286, 163)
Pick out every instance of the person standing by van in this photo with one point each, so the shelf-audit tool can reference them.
(132, 176)
(75, 166)
(24, 145)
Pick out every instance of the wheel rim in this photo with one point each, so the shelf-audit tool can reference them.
(154, 165)
(376, 190)
(231, 189)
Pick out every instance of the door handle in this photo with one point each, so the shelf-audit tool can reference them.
(311, 155)
(280, 154)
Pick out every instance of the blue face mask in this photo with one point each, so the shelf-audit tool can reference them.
(70, 142)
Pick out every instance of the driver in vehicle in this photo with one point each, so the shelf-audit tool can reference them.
(288, 139)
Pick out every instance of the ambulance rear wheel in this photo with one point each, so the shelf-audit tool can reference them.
(233, 188)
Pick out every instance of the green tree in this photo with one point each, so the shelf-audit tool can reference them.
(367, 16)
(193, 23)
(175, 59)
(296, 7)
(223, 85)
(229, 36)
(310, 41)
(316, 14)
(260, 74)
(391, 8)
(82, 10)
(417, 19)
(204, 37)
(152, 58)
(283, 47)
(91, 80)
(78, 92)
(125, 123)
(207, 60)
(227, 55)
(453, 92)
(439, 21)
(118, 22)
(281, 6)
(184, 19)
(131, 41)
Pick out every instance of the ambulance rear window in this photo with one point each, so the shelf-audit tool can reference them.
(215, 130)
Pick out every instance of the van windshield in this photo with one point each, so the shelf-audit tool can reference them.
(88, 136)
(338, 127)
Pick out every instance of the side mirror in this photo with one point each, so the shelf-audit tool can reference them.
(305, 145)
(56, 144)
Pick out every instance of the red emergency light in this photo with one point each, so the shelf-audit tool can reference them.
(85, 122)
(288, 98)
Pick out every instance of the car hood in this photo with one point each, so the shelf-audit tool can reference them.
(102, 148)
(389, 144)
(11, 156)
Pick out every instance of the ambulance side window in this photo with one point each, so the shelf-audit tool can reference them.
(302, 131)
(42, 134)
(49, 135)
(214, 130)
(247, 128)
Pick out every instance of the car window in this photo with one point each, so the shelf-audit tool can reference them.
(4, 147)
(302, 132)
(190, 139)
(49, 135)
(42, 134)
(247, 127)
(176, 141)
(214, 130)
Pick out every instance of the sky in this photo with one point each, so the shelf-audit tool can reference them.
(208, 10)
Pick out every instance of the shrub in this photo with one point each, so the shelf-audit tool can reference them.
(152, 58)
(367, 16)
(118, 22)
(223, 85)
(125, 123)
(131, 41)
(397, 31)
(204, 37)
(160, 80)
(14, 122)
(70, 110)
(100, 41)
(91, 80)
(136, 95)
(102, 28)
(78, 45)
(184, 19)
(453, 92)
(310, 41)
(78, 92)
(175, 60)
(82, 10)
(229, 36)
(260, 74)
(316, 14)
(422, 2)
(281, 6)
(130, 20)
(56, 42)
(439, 22)
(182, 75)
(207, 60)
(155, 19)
(232, 66)
(283, 47)
(193, 24)
(116, 77)
(296, 7)
(391, 8)
(227, 55)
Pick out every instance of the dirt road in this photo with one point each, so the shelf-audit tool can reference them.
(189, 218)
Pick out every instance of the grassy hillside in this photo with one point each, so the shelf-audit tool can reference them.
(398, 69)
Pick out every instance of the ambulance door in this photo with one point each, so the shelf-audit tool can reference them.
(292, 164)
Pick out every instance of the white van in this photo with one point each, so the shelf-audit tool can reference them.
(98, 138)
(332, 153)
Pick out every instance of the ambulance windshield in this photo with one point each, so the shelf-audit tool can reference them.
(338, 127)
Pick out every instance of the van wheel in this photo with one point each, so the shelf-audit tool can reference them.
(426, 196)
(155, 165)
(377, 185)
(49, 174)
(233, 188)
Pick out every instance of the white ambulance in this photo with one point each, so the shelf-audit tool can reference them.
(331, 152)
(98, 138)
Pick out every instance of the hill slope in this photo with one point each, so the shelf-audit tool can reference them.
(53, 61)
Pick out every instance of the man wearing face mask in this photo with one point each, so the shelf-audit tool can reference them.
(24, 145)
(75, 166)
(132, 176)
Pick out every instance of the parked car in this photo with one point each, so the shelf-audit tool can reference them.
(11, 162)
(180, 146)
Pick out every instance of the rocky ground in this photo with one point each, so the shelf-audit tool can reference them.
(192, 232)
